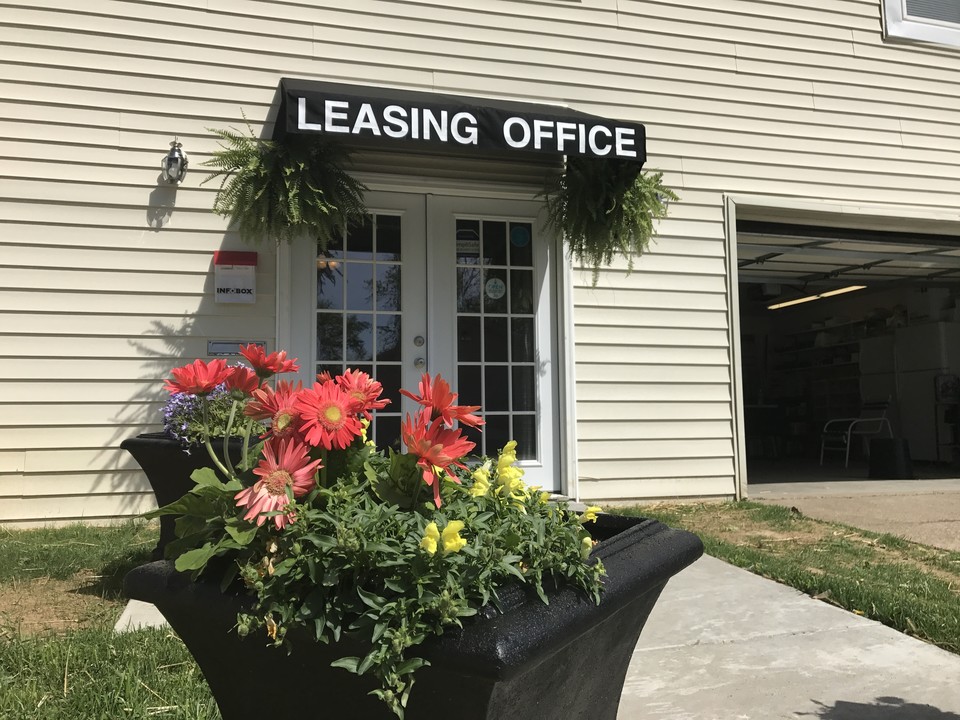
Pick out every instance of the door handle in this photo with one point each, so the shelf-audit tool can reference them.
(420, 363)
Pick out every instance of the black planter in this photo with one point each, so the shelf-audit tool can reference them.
(564, 660)
(167, 463)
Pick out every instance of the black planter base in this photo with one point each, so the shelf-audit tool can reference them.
(565, 660)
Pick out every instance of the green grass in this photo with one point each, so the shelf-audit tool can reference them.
(96, 674)
(910, 587)
(93, 673)
(59, 553)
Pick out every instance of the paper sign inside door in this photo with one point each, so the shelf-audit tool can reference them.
(235, 276)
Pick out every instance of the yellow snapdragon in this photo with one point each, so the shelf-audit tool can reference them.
(590, 514)
(451, 540)
(431, 535)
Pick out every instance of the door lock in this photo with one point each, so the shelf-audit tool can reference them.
(420, 363)
(419, 341)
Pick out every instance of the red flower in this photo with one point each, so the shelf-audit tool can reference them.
(198, 378)
(285, 463)
(437, 447)
(324, 377)
(277, 406)
(267, 365)
(436, 396)
(363, 390)
(327, 417)
(242, 378)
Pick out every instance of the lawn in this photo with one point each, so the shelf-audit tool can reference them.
(60, 596)
(59, 656)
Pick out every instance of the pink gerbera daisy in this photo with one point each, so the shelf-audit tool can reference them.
(363, 390)
(327, 417)
(267, 365)
(277, 406)
(286, 464)
(436, 396)
(198, 378)
(437, 447)
(242, 378)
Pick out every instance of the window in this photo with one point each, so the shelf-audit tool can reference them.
(932, 21)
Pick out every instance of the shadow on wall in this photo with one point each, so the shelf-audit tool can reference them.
(885, 708)
(163, 199)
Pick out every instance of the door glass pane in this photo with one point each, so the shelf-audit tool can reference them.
(468, 290)
(360, 240)
(468, 242)
(525, 433)
(359, 338)
(329, 337)
(496, 341)
(388, 237)
(496, 346)
(521, 245)
(359, 286)
(468, 340)
(388, 287)
(359, 311)
(494, 243)
(495, 291)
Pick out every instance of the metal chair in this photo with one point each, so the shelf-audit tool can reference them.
(838, 433)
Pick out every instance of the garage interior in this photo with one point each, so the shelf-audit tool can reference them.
(844, 323)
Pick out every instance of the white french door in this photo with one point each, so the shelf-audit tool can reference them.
(455, 286)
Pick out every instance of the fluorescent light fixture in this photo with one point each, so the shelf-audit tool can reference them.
(808, 298)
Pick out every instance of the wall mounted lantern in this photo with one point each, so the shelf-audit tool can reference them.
(174, 165)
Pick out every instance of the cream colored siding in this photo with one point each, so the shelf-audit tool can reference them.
(107, 277)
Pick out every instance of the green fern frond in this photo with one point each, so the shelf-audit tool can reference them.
(606, 207)
(284, 190)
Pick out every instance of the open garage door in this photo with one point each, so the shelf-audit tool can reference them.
(841, 323)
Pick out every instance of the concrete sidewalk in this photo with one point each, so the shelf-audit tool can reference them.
(724, 644)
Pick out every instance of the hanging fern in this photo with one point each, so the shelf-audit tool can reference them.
(283, 190)
(606, 207)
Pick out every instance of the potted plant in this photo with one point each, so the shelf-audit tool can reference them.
(374, 568)
(283, 190)
(605, 208)
(168, 458)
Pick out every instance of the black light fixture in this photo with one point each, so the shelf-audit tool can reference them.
(174, 164)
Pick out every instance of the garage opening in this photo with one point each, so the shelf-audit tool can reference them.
(841, 324)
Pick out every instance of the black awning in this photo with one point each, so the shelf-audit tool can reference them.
(392, 117)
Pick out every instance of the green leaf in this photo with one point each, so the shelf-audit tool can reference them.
(371, 599)
(350, 664)
(512, 570)
(206, 476)
(243, 536)
(196, 559)
(366, 663)
(411, 665)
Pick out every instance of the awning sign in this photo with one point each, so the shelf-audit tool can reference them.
(235, 276)
(387, 116)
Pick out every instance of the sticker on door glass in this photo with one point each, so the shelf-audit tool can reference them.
(495, 288)
(520, 235)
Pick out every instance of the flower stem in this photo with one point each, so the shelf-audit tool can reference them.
(206, 439)
(226, 438)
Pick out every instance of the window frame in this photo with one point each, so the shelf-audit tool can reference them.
(900, 26)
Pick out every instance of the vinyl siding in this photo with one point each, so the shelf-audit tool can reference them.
(107, 278)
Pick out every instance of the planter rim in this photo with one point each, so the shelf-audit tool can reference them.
(641, 554)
